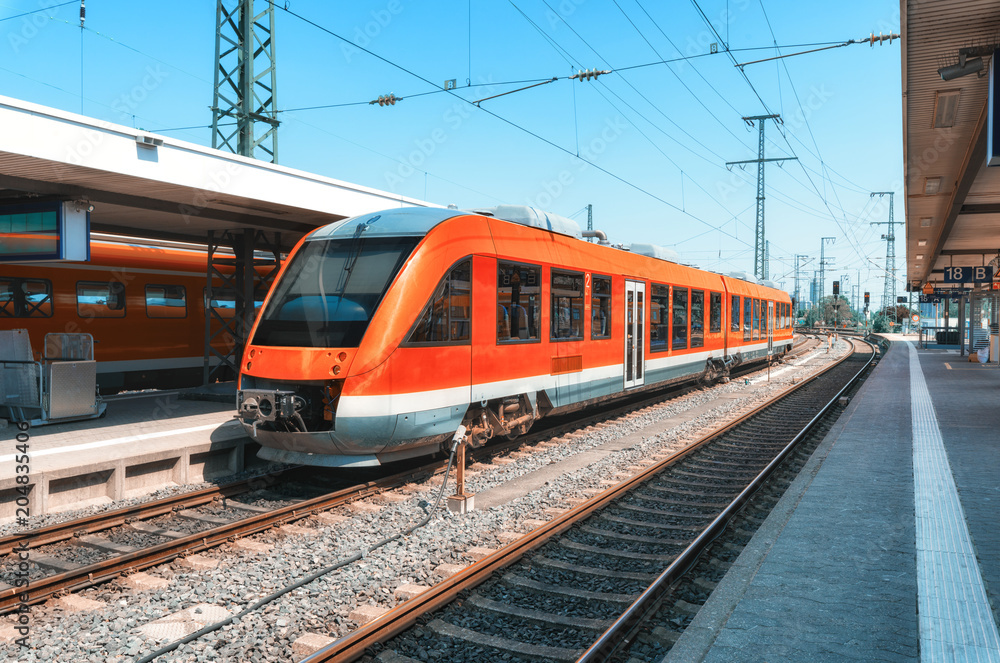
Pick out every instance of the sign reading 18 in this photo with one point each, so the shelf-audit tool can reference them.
(968, 274)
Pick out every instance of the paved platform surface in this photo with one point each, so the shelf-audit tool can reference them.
(150, 422)
(864, 558)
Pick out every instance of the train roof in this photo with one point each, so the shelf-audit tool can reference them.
(405, 221)
(418, 221)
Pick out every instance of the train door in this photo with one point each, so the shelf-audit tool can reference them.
(635, 360)
(770, 328)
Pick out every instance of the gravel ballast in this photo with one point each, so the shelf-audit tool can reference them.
(324, 605)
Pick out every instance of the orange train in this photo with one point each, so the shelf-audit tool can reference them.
(387, 334)
(144, 305)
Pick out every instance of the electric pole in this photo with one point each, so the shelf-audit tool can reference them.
(759, 261)
(244, 108)
(844, 280)
(889, 288)
(822, 265)
(805, 259)
(857, 300)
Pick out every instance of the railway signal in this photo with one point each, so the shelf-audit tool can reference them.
(836, 288)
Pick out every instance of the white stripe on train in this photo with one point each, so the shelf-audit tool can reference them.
(433, 399)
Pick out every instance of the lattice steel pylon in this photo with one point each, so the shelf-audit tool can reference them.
(759, 259)
(798, 296)
(244, 108)
(889, 288)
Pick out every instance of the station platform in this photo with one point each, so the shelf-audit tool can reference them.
(147, 441)
(886, 547)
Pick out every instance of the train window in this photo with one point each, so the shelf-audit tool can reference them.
(763, 318)
(446, 318)
(697, 318)
(734, 314)
(600, 308)
(756, 319)
(680, 319)
(100, 299)
(25, 298)
(659, 318)
(567, 306)
(747, 318)
(166, 301)
(330, 290)
(519, 302)
(715, 313)
(7, 298)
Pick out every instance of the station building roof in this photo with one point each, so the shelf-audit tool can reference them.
(148, 185)
(952, 197)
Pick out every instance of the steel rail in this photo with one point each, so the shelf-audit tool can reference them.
(405, 615)
(105, 570)
(108, 569)
(617, 634)
(94, 523)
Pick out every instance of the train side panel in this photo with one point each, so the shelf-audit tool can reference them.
(138, 343)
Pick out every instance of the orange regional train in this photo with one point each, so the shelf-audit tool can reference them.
(386, 333)
(144, 305)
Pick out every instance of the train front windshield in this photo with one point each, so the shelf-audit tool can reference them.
(330, 291)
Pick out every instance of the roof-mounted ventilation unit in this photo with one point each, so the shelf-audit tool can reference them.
(536, 218)
(654, 251)
(148, 141)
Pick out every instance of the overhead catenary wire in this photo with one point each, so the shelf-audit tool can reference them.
(507, 121)
(849, 236)
(39, 10)
(571, 60)
(659, 62)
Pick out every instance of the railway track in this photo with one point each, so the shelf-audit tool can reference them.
(578, 587)
(76, 554)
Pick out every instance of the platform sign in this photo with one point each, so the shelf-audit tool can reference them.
(983, 274)
(930, 299)
(50, 231)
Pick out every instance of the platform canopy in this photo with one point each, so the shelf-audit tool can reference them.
(952, 196)
(155, 186)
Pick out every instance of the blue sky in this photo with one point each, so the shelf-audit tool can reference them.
(654, 139)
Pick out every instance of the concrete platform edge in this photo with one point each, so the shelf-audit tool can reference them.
(98, 482)
(698, 638)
